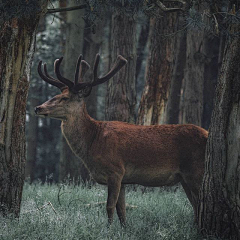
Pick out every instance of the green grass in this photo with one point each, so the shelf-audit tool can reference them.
(160, 214)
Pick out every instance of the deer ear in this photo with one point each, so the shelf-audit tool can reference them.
(85, 92)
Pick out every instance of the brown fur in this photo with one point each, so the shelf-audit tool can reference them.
(118, 153)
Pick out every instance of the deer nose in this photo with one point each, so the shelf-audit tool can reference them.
(37, 109)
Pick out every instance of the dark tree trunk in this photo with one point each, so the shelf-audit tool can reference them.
(32, 125)
(70, 166)
(159, 70)
(200, 78)
(192, 98)
(92, 45)
(16, 50)
(32, 139)
(173, 104)
(121, 95)
(142, 42)
(219, 207)
(211, 52)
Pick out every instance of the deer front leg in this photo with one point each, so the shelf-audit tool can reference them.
(114, 186)
(121, 206)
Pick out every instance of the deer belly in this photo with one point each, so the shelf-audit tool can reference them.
(152, 178)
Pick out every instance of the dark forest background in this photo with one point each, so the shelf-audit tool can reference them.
(173, 65)
(183, 67)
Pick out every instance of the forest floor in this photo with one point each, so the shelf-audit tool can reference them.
(67, 212)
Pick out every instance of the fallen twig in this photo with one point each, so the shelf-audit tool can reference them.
(104, 202)
(54, 10)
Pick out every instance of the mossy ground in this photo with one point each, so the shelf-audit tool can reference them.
(63, 212)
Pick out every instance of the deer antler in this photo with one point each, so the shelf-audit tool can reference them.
(79, 84)
(120, 62)
(77, 69)
(49, 79)
(64, 80)
(81, 68)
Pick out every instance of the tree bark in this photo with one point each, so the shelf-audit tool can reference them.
(211, 49)
(121, 92)
(32, 124)
(200, 78)
(142, 42)
(16, 50)
(92, 45)
(192, 98)
(173, 104)
(159, 70)
(70, 166)
(219, 206)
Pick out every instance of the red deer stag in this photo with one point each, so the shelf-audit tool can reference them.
(118, 153)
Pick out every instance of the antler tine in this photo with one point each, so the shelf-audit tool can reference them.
(61, 85)
(64, 80)
(120, 62)
(84, 66)
(77, 69)
(49, 79)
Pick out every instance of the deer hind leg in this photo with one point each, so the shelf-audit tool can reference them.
(114, 186)
(192, 193)
(121, 206)
(195, 189)
(187, 191)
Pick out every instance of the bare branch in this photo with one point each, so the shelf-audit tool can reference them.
(165, 9)
(177, 1)
(184, 4)
(104, 202)
(54, 10)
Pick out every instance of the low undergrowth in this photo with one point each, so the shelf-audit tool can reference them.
(78, 212)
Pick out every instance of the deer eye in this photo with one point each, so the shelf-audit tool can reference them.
(64, 99)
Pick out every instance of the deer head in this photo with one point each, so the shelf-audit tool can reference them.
(73, 93)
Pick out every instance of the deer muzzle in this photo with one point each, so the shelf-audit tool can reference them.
(38, 111)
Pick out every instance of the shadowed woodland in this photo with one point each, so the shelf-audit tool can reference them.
(182, 68)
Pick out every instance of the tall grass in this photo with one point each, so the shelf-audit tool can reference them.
(50, 212)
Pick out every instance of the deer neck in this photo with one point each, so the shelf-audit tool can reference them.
(80, 130)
